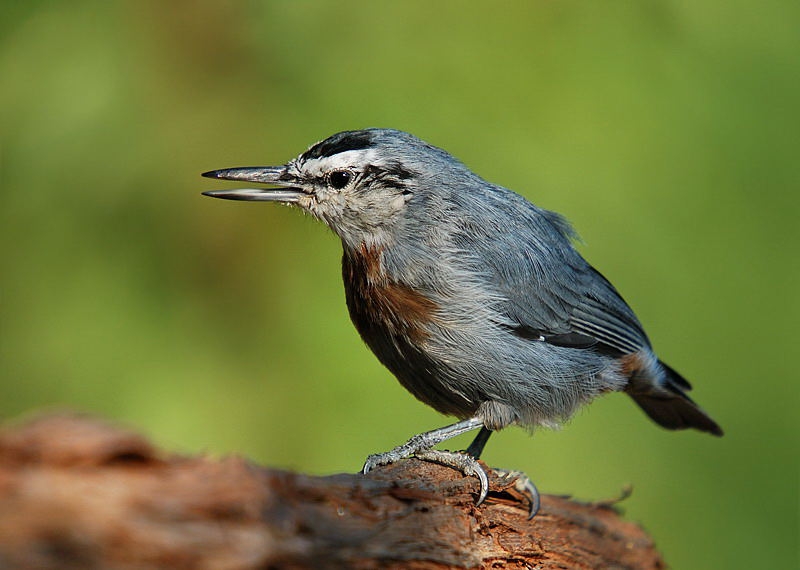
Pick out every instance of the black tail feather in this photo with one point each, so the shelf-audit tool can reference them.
(671, 408)
(674, 379)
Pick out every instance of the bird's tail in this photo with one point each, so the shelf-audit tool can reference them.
(670, 407)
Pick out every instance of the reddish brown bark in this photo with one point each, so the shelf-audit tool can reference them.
(76, 492)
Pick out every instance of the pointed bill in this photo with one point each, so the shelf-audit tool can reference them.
(275, 175)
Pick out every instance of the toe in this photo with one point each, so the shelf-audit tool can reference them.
(461, 462)
(523, 485)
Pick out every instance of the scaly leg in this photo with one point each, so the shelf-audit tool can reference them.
(421, 442)
(420, 446)
(476, 447)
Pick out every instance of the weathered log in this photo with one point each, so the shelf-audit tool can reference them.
(76, 492)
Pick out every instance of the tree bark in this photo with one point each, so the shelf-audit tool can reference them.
(79, 493)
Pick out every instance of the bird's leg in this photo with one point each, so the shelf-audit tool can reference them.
(421, 442)
(476, 447)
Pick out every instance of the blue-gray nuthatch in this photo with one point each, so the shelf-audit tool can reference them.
(474, 298)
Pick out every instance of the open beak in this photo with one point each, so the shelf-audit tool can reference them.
(287, 191)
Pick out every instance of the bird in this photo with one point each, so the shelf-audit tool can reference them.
(475, 299)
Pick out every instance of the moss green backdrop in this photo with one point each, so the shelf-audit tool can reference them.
(666, 131)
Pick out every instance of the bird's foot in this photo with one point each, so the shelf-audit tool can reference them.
(413, 446)
(467, 464)
(522, 484)
(421, 446)
(421, 443)
(462, 462)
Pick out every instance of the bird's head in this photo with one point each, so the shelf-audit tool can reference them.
(360, 183)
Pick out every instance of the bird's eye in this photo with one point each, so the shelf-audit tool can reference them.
(338, 179)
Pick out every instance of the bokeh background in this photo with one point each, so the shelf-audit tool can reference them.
(667, 132)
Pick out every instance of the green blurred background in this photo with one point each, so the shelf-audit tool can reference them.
(666, 131)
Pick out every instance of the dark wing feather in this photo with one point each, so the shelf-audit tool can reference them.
(604, 314)
(601, 321)
(550, 291)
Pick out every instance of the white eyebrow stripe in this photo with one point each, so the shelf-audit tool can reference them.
(346, 159)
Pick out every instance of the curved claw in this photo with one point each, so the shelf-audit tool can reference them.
(524, 486)
(396, 454)
(481, 474)
(374, 460)
(529, 490)
(369, 465)
(468, 465)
